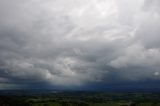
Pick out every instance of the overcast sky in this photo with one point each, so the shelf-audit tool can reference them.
(75, 43)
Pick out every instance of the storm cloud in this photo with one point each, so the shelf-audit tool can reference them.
(78, 42)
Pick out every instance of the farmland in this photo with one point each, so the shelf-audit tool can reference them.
(78, 98)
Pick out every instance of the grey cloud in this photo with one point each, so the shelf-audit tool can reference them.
(77, 42)
(152, 5)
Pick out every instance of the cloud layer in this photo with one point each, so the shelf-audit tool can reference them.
(78, 42)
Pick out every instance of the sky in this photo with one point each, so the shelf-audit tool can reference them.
(79, 44)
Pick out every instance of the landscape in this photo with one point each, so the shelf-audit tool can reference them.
(78, 98)
(79, 52)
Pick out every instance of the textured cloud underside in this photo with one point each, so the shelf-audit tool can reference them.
(77, 42)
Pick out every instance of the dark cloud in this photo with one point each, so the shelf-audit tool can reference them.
(78, 42)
